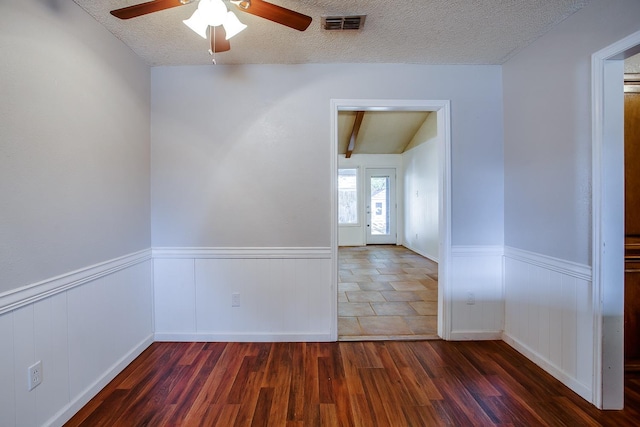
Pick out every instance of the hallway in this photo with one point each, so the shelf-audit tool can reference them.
(386, 292)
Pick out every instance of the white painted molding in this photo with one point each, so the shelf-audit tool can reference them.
(29, 294)
(568, 268)
(476, 335)
(477, 250)
(243, 253)
(419, 252)
(242, 337)
(583, 390)
(604, 268)
(68, 411)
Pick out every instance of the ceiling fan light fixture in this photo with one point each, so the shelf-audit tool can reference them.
(197, 23)
(242, 4)
(232, 25)
(213, 11)
(209, 13)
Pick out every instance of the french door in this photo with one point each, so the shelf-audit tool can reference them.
(380, 204)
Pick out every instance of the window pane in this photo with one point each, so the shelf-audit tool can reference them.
(380, 203)
(348, 196)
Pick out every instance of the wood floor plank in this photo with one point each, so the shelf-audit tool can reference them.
(227, 416)
(374, 399)
(226, 371)
(348, 384)
(297, 381)
(261, 414)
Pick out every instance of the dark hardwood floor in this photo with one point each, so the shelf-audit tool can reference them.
(383, 383)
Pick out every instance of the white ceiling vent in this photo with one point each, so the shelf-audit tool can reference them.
(352, 22)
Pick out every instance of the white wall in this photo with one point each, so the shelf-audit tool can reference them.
(355, 235)
(241, 154)
(74, 165)
(75, 285)
(283, 295)
(547, 121)
(421, 207)
(549, 315)
(241, 160)
(548, 136)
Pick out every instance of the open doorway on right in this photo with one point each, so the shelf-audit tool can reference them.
(632, 215)
(388, 217)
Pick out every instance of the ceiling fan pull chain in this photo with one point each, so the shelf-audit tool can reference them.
(212, 41)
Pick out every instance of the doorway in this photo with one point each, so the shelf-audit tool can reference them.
(632, 221)
(608, 220)
(442, 112)
(381, 207)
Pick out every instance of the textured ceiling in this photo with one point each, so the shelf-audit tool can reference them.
(400, 31)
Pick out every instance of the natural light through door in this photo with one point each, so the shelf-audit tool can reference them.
(381, 206)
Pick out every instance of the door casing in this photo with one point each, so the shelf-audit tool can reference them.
(607, 69)
(443, 110)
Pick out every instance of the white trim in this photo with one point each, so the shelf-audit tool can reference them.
(243, 253)
(569, 268)
(29, 294)
(625, 47)
(445, 298)
(419, 252)
(443, 109)
(243, 337)
(477, 250)
(583, 390)
(333, 198)
(69, 410)
(475, 335)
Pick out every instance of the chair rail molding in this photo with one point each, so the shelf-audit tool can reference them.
(29, 294)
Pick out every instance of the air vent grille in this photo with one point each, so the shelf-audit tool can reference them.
(352, 22)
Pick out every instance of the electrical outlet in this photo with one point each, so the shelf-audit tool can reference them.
(235, 299)
(471, 298)
(34, 375)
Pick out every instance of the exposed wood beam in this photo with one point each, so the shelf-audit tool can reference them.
(354, 133)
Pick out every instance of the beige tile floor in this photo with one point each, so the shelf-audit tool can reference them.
(386, 292)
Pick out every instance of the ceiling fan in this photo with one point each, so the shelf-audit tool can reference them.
(218, 34)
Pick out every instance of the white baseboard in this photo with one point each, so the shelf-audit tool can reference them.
(581, 389)
(475, 335)
(241, 337)
(83, 398)
(421, 253)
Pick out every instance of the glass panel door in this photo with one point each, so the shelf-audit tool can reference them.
(381, 206)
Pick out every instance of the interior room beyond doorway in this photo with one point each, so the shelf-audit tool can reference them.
(386, 292)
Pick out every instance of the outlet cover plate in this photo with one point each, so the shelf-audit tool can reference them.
(34, 375)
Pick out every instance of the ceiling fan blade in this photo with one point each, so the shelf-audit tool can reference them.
(274, 13)
(219, 42)
(148, 7)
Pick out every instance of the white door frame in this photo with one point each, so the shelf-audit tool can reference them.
(607, 68)
(443, 110)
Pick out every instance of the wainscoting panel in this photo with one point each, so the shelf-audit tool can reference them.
(548, 315)
(174, 295)
(85, 327)
(477, 302)
(284, 294)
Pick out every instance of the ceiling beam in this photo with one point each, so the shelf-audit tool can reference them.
(354, 133)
